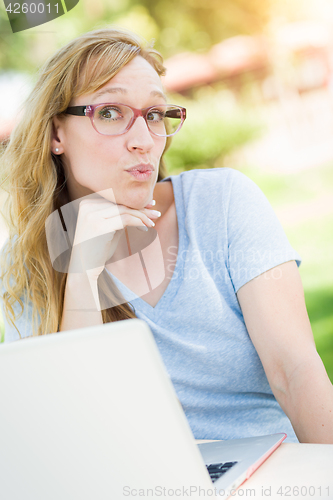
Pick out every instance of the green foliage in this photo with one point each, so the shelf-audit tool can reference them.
(196, 25)
(215, 125)
(176, 25)
(312, 238)
(319, 304)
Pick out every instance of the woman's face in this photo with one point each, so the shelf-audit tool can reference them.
(94, 162)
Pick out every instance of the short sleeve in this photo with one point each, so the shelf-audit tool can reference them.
(256, 239)
(23, 324)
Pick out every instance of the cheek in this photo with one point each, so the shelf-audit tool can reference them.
(88, 151)
(161, 145)
(96, 162)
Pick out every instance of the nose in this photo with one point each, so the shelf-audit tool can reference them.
(139, 136)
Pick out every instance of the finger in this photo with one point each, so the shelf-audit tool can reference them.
(155, 214)
(150, 204)
(122, 211)
(136, 219)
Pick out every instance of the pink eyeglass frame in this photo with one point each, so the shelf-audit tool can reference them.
(89, 110)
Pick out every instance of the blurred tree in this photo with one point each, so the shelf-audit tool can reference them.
(176, 25)
(196, 25)
(216, 125)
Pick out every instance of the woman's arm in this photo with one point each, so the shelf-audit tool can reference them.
(81, 302)
(275, 315)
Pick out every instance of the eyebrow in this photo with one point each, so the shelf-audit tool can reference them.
(114, 90)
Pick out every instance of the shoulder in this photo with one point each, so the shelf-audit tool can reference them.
(216, 179)
(6, 253)
(206, 175)
(23, 323)
(214, 186)
(8, 242)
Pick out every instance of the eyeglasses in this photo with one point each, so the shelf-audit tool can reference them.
(163, 120)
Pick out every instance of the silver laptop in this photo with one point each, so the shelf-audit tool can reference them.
(91, 414)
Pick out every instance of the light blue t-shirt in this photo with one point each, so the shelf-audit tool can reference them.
(228, 235)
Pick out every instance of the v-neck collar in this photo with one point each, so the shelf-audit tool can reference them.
(176, 279)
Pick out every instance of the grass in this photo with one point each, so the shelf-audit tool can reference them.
(312, 238)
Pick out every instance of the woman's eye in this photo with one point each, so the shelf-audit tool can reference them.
(155, 116)
(109, 114)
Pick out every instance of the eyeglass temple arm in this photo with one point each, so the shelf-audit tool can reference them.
(76, 110)
(175, 113)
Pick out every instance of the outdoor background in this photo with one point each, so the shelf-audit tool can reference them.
(257, 80)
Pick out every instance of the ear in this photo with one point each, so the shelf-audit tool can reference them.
(57, 147)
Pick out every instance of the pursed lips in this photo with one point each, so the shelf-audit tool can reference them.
(141, 168)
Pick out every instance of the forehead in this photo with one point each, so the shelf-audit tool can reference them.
(137, 69)
(138, 77)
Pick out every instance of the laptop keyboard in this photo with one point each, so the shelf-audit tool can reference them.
(217, 470)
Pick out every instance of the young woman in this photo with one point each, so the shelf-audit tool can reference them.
(214, 275)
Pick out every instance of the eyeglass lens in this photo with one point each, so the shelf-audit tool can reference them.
(113, 119)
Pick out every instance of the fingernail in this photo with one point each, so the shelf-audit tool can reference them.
(143, 228)
(155, 212)
(153, 202)
(153, 223)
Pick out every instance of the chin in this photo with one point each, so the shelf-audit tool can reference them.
(139, 198)
(136, 202)
(137, 206)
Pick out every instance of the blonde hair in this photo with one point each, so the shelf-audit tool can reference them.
(35, 179)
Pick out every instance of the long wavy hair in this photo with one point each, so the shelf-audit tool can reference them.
(35, 179)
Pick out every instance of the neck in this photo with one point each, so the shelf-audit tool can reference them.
(164, 197)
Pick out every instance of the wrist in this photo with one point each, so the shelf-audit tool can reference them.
(81, 292)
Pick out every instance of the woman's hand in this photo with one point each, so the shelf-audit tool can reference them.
(98, 229)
